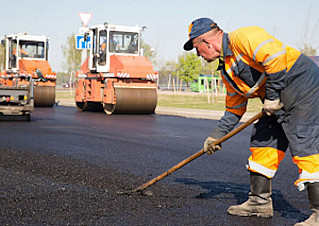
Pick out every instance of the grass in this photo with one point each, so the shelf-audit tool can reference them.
(64, 94)
(200, 101)
(181, 100)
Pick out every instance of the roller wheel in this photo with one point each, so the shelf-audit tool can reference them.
(109, 108)
(132, 101)
(81, 106)
(44, 96)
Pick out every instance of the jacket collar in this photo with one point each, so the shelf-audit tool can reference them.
(226, 51)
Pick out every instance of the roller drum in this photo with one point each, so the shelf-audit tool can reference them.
(133, 100)
(44, 96)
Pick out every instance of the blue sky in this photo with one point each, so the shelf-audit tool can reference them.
(166, 21)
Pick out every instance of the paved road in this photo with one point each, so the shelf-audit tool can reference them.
(183, 112)
(65, 167)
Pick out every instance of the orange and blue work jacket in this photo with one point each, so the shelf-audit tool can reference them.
(253, 64)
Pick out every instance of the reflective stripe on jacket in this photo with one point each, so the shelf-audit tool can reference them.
(255, 65)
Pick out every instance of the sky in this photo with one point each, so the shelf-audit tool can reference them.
(167, 21)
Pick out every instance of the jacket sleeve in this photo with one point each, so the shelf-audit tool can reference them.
(267, 51)
(225, 125)
(235, 107)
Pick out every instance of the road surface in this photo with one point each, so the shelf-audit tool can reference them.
(65, 167)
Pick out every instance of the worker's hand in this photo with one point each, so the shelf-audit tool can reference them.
(271, 106)
(209, 147)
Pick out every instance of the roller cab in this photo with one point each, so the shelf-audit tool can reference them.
(26, 59)
(116, 78)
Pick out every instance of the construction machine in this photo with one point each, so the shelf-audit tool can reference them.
(26, 59)
(116, 77)
(16, 101)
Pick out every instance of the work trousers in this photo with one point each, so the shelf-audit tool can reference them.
(295, 126)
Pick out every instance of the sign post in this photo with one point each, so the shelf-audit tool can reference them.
(85, 18)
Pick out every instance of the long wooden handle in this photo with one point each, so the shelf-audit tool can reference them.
(199, 153)
(240, 128)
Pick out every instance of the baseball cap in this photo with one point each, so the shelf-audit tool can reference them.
(196, 28)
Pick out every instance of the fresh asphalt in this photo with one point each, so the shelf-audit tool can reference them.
(64, 167)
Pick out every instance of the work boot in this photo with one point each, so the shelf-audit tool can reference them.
(313, 195)
(259, 202)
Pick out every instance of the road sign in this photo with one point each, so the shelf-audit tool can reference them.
(81, 43)
(85, 18)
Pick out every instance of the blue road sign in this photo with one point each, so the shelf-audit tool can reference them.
(81, 44)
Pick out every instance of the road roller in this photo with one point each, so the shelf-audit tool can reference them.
(115, 77)
(26, 59)
(16, 102)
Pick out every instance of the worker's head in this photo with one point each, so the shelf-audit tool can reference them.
(206, 37)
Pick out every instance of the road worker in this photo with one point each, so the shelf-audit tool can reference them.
(102, 58)
(114, 46)
(22, 52)
(255, 64)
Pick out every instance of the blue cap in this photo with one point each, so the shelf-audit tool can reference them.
(196, 28)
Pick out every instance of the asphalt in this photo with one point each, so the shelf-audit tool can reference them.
(66, 168)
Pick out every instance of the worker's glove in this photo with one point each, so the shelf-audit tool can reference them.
(272, 106)
(209, 147)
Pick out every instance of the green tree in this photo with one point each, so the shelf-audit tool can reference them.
(62, 78)
(72, 56)
(170, 68)
(149, 52)
(210, 68)
(190, 66)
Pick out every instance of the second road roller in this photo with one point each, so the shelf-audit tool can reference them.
(115, 77)
(26, 59)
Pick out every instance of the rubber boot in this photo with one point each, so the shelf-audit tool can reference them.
(313, 195)
(259, 202)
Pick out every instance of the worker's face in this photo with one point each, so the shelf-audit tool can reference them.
(208, 49)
